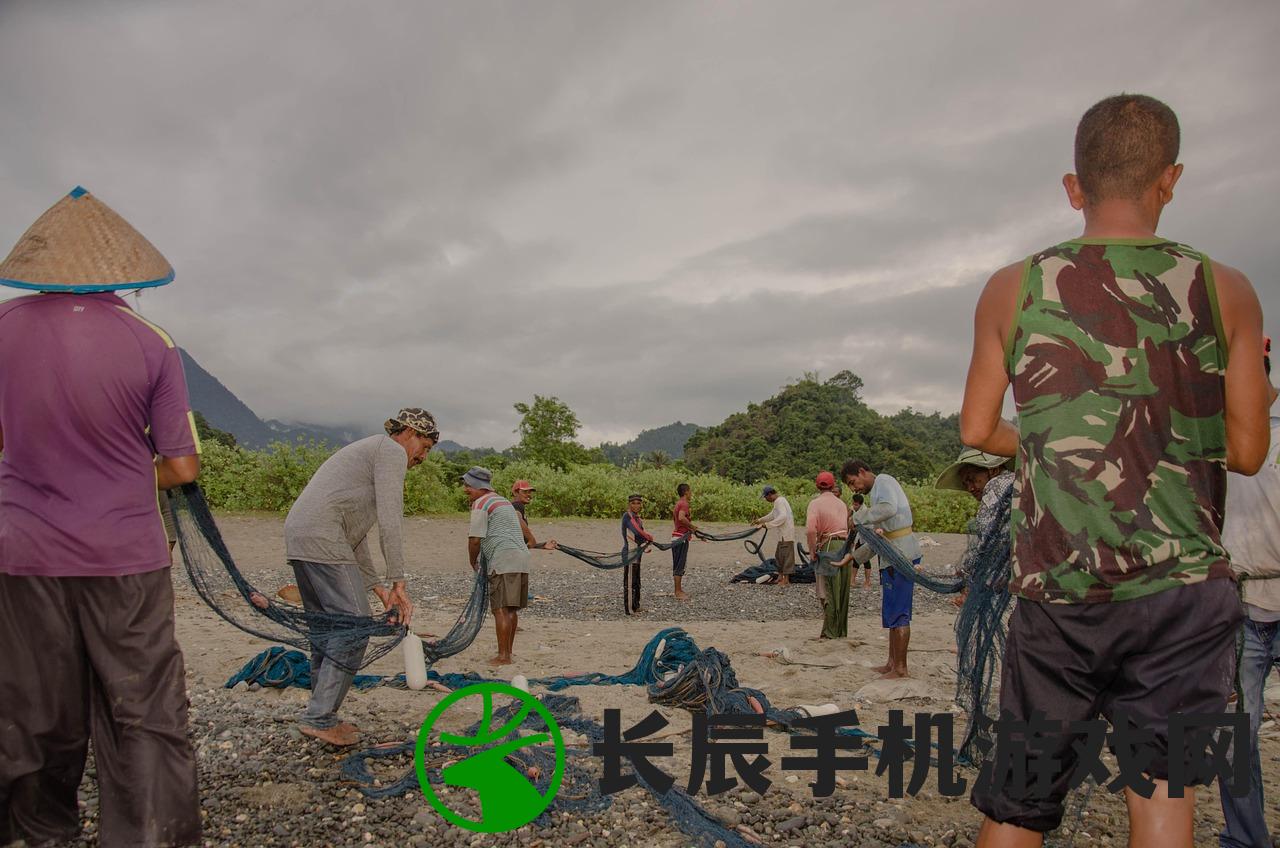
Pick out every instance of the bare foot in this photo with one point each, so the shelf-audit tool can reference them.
(347, 726)
(894, 675)
(882, 669)
(637, 610)
(682, 596)
(953, 649)
(335, 736)
(500, 660)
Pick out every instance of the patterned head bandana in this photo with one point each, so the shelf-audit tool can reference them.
(415, 418)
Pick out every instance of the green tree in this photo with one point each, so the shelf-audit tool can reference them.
(659, 459)
(548, 433)
(209, 433)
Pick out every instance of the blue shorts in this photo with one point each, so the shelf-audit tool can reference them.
(895, 597)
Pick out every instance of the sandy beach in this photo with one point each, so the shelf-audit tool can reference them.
(264, 784)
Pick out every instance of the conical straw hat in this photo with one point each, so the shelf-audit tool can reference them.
(81, 245)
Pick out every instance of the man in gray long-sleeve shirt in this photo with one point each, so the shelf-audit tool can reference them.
(327, 543)
(890, 515)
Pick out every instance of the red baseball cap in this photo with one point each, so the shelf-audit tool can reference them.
(522, 486)
(825, 480)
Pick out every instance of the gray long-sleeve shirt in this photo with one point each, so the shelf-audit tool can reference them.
(889, 511)
(330, 521)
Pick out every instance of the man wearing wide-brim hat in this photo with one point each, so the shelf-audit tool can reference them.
(94, 417)
(988, 478)
(972, 471)
(327, 542)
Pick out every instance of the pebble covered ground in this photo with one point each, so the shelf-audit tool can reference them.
(584, 593)
(263, 784)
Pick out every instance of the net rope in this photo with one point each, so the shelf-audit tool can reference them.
(350, 641)
(630, 555)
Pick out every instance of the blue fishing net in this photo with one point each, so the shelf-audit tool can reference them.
(220, 584)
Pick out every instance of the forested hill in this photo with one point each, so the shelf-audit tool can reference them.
(669, 440)
(810, 426)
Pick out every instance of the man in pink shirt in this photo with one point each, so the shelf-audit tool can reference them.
(94, 417)
(826, 525)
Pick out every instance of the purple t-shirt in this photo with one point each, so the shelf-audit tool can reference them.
(90, 392)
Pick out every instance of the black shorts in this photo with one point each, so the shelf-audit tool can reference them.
(1150, 657)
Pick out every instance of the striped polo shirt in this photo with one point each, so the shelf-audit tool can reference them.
(495, 523)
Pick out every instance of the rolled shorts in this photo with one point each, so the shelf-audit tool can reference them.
(785, 556)
(508, 590)
(896, 594)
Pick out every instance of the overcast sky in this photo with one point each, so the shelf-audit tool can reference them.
(655, 211)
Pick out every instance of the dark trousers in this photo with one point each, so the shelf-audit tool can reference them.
(631, 587)
(331, 589)
(94, 657)
(679, 558)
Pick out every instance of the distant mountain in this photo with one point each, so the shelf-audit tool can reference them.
(224, 410)
(448, 447)
(669, 439)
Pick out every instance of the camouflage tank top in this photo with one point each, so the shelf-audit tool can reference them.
(1117, 361)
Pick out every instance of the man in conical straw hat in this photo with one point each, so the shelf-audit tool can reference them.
(94, 417)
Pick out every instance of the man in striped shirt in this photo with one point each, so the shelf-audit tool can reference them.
(497, 535)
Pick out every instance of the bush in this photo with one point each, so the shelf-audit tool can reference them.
(238, 479)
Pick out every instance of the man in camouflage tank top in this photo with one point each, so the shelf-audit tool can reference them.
(1136, 370)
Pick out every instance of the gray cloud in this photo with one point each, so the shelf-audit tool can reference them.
(655, 211)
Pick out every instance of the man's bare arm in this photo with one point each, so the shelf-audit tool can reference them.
(473, 551)
(981, 426)
(529, 540)
(174, 471)
(1248, 394)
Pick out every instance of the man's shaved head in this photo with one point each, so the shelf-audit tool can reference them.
(1123, 144)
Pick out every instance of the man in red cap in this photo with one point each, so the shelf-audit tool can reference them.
(826, 526)
(521, 493)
